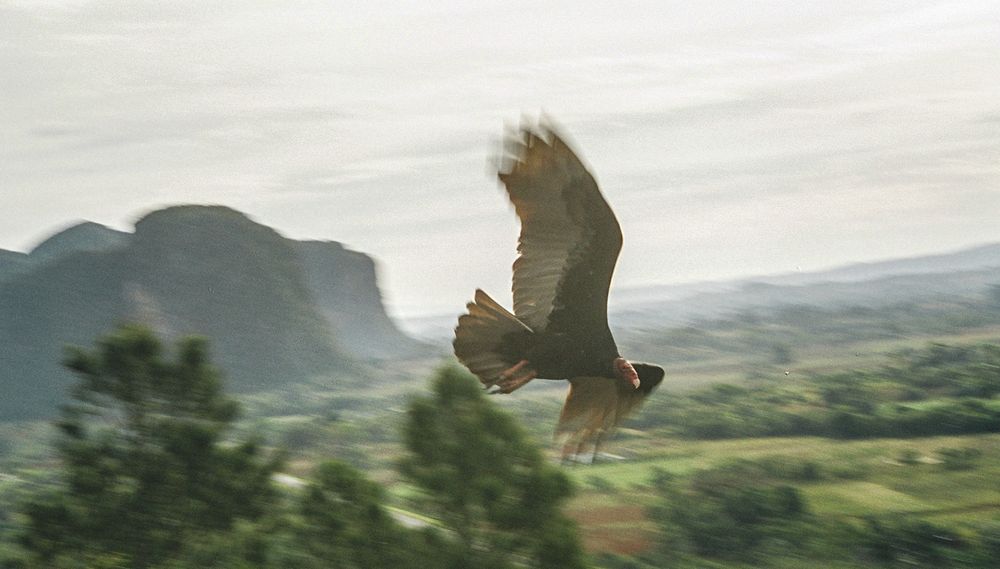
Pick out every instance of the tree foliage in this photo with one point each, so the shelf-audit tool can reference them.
(345, 524)
(486, 481)
(151, 478)
(727, 512)
(146, 464)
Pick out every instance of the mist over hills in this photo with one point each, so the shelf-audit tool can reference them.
(343, 285)
(276, 311)
(970, 259)
(963, 273)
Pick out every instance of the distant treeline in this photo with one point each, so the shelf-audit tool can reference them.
(937, 390)
(776, 334)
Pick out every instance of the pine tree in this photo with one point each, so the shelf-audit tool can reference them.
(346, 524)
(146, 462)
(486, 481)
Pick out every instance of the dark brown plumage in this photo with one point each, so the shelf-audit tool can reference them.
(568, 248)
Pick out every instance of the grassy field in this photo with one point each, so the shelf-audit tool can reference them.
(856, 479)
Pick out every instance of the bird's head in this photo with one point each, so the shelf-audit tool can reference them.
(625, 372)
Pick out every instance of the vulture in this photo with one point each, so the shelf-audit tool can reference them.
(567, 250)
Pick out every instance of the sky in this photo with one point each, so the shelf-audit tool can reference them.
(732, 138)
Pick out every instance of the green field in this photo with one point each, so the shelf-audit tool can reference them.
(856, 481)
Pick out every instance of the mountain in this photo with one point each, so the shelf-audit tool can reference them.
(754, 296)
(263, 301)
(964, 260)
(343, 283)
(12, 263)
(86, 236)
(963, 273)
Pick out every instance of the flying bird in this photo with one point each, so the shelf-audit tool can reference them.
(567, 250)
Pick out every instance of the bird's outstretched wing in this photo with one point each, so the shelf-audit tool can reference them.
(595, 406)
(569, 240)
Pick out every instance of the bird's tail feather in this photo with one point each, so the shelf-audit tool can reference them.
(479, 334)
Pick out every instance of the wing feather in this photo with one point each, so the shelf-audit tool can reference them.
(569, 239)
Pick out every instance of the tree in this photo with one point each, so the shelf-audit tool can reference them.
(146, 463)
(485, 481)
(338, 520)
(726, 512)
(345, 524)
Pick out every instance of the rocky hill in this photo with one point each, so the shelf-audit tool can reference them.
(12, 263)
(343, 285)
(86, 236)
(276, 311)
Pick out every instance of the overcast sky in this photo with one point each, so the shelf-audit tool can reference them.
(732, 138)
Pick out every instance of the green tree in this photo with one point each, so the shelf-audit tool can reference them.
(486, 482)
(146, 464)
(338, 520)
(726, 512)
(346, 525)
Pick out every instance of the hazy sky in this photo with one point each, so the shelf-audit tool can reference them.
(731, 137)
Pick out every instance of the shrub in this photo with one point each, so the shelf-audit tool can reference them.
(958, 458)
(727, 512)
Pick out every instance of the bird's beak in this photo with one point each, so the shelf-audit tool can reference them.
(635, 382)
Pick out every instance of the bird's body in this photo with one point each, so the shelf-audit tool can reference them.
(568, 248)
(561, 355)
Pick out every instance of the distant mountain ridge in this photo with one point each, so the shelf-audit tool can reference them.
(965, 272)
(276, 311)
(969, 259)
